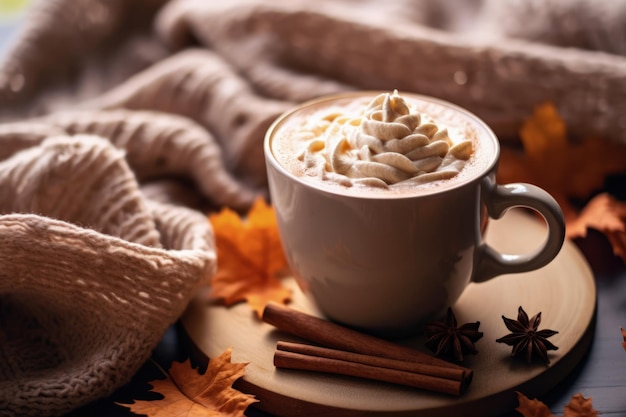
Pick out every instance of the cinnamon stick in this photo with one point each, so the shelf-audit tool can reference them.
(332, 335)
(445, 372)
(311, 358)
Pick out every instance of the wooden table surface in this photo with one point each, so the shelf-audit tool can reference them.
(600, 375)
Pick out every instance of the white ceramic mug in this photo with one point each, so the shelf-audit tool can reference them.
(386, 263)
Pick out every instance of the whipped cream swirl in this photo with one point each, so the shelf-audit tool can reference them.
(387, 144)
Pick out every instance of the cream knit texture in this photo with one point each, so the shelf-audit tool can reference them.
(92, 273)
(122, 123)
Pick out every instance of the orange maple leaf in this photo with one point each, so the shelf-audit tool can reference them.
(569, 171)
(607, 215)
(624, 336)
(250, 258)
(189, 394)
(578, 406)
(532, 408)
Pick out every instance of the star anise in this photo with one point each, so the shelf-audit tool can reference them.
(446, 339)
(526, 339)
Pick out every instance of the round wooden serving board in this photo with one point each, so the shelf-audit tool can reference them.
(564, 291)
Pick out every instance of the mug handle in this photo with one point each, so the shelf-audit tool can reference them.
(498, 199)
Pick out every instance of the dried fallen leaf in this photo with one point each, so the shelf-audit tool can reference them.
(532, 408)
(578, 406)
(607, 215)
(568, 171)
(624, 336)
(250, 258)
(189, 394)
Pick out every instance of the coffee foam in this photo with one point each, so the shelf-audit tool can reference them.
(286, 144)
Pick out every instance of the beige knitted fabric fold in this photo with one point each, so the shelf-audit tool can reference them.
(92, 273)
(477, 67)
(156, 145)
(199, 85)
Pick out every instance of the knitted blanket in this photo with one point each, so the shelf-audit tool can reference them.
(123, 122)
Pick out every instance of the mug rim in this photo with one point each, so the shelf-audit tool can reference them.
(420, 192)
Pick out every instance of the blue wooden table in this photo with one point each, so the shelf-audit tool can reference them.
(602, 374)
